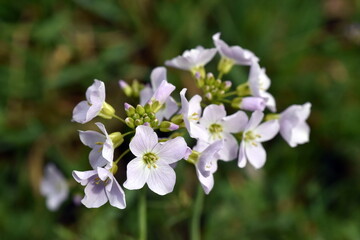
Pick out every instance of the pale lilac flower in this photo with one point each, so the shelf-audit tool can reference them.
(85, 111)
(293, 126)
(102, 152)
(253, 103)
(192, 59)
(191, 112)
(237, 54)
(206, 165)
(101, 186)
(152, 162)
(160, 90)
(218, 126)
(54, 187)
(259, 82)
(254, 134)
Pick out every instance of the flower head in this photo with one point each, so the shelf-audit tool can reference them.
(54, 187)
(259, 82)
(293, 126)
(152, 162)
(101, 186)
(193, 59)
(253, 135)
(236, 54)
(85, 111)
(218, 126)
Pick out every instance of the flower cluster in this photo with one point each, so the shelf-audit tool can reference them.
(227, 122)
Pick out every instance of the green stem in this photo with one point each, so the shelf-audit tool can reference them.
(229, 94)
(142, 216)
(125, 134)
(121, 156)
(195, 219)
(220, 75)
(119, 118)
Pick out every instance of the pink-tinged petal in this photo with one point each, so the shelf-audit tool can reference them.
(270, 101)
(96, 92)
(83, 177)
(144, 140)
(212, 114)
(96, 159)
(95, 195)
(242, 156)
(267, 130)
(137, 174)
(162, 179)
(253, 104)
(254, 121)
(80, 112)
(230, 148)
(145, 95)
(163, 92)
(171, 151)
(116, 195)
(207, 157)
(207, 183)
(256, 154)
(157, 76)
(91, 138)
(235, 122)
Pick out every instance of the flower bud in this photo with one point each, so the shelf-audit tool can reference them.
(253, 104)
(225, 65)
(167, 126)
(140, 110)
(139, 122)
(177, 119)
(243, 90)
(130, 110)
(126, 88)
(130, 122)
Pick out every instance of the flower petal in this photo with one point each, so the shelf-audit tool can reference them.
(96, 92)
(235, 122)
(256, 154)
(144, 140)
(163, 92)
(207, 157)
(96, 158)
(137, 174)
(95, 195)
(242, 156)
(116, 195)
(171, 151)
(212, 114)
(80, 112)
(254, 121)
(230, 149)
(83, 177)
(145, 95)
(162, 179)
(207, 183)
(267, 130)
(90, 138)
(157, 76)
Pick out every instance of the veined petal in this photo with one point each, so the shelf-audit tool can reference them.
(144, 140)
(95, 195)
(171, 151)
(254, 121)
(96, 158)
(137, 174)
(256, 154)
(171, 108)
(162, 179)
(230, 149)
(116, 195)
(80, 112)
(163, 92)
(90, 138)
(235, 122)
(242, 156)
(96, 92)
(267, 130)
(212, 114)
(145, 95)
(93, 111)
(83, 177)
(157, 76)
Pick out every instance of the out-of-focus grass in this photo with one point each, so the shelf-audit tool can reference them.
(50, 51)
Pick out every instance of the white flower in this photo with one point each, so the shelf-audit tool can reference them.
(254, 134)
(259, 82)
(102, 152)
(192, 59)
(152, 162)
(293, 126)
(54, 187)
(160, 90)
(218, 126)
(237, 54)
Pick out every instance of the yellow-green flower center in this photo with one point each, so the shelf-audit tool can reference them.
(150, 159)
(216, 130)
(251, 137)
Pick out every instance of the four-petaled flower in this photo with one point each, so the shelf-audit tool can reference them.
(101, 186)
(54, 187)
(253, 135)
(293, 126)
(152, 162)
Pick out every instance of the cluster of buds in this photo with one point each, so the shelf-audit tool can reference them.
(218, 136)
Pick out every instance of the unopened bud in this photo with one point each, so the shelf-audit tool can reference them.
(130, 110)
(167, 126)
(177, 119)
(243, 90)
(139, 122)
(140, 110)
(130, 122)
(126, 88)
(253, 104)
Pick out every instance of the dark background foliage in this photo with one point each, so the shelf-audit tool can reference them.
(50, 52)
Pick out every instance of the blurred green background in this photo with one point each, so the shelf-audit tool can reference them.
(50, 52)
